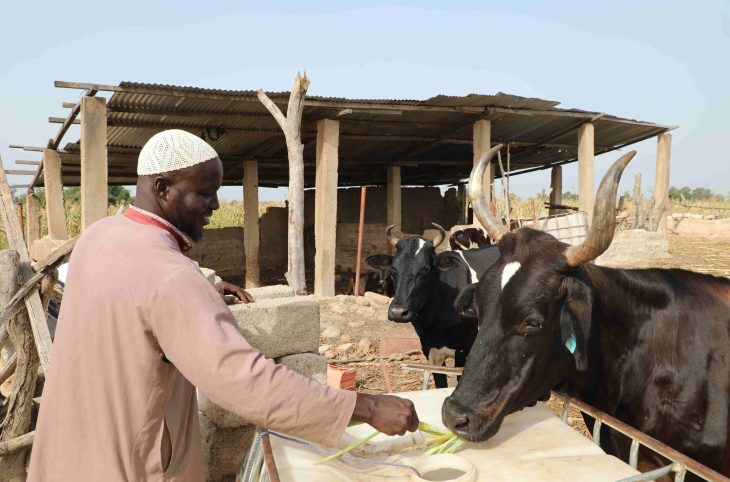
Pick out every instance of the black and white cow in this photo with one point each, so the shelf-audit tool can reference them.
(426, 286)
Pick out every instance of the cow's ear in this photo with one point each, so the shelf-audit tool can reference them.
(464, 302)
(575, 319)
(446, 261)
(379, 261)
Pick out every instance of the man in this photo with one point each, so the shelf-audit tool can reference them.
(140, 325)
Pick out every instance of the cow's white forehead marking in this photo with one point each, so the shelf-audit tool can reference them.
(421, 244)
(509, 271)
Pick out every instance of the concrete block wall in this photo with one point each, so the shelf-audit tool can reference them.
(282, 327)
(222, 249)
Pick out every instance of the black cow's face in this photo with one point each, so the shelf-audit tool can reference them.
(532, 316)
(383, 264)
(411, 268)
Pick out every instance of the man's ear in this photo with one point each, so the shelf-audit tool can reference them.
(379, 261)
(162, 187)
(575, 319)
(446, 261)
(464, 302)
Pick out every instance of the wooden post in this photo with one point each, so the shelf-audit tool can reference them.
(94, 192)
(363, 196)
(586, 169)
(35, 309)
(637, 201)
(32, 219)
(17, 420)
(394, 197)
(251, 238)
(325, 207)
(482, 142)
(55, 211)
(556, 185)
(661, 180)
(291, 125)
(463, 199)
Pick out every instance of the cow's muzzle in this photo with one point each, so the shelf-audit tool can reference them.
(399, 313)
(465, 423)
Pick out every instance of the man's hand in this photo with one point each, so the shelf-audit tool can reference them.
(233, 294)
(386, 413)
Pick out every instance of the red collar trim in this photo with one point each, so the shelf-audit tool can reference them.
(144, 217)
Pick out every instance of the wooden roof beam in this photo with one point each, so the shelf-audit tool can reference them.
(19, 172)
(30, 163)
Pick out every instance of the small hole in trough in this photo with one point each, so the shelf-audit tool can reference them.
(443, 474)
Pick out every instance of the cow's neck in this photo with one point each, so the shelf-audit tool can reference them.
(615, 326)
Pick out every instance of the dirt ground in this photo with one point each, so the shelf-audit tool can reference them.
(355, 320)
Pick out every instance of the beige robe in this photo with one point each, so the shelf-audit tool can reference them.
(114, 407)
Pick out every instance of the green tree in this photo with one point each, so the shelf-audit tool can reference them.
(119, 195)
(116, 195)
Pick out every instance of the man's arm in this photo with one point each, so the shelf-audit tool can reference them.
(198, 334)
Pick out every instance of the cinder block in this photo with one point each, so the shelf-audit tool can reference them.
(311, 365)
(221, 417)
(269, 292)
(280, 326)
(224, 448)
(209, 274)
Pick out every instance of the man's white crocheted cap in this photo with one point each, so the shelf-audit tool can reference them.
(172, 150)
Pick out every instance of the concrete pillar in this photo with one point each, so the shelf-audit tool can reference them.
(325, 207)
(32, 219)
(586, 169)
(556, 185)
(251, 222)
(661, 179)
(93, 160)
(394, 197)
(55, 212)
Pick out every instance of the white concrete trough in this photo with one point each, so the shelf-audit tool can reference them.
(532, 445)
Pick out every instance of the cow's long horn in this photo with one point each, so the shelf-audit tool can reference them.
(600, 234)
(440, 236)
(392, 237)
(494, 226)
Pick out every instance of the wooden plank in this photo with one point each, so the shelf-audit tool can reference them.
(26, 148)
(19, 172)
(30, 163)
(16, 444)
(36, 313)
(55, 255)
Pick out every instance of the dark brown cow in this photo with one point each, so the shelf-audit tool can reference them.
(650, 347)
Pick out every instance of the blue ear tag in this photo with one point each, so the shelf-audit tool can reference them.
(570, 344)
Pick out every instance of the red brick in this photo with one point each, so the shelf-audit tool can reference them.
(399, 339)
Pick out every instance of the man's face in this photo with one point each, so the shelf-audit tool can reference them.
(190, 196)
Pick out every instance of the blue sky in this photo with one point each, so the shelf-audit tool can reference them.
(660, 61)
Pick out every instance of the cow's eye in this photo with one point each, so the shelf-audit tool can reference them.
(535, 322)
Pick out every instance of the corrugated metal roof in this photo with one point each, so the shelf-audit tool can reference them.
(431, 138)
